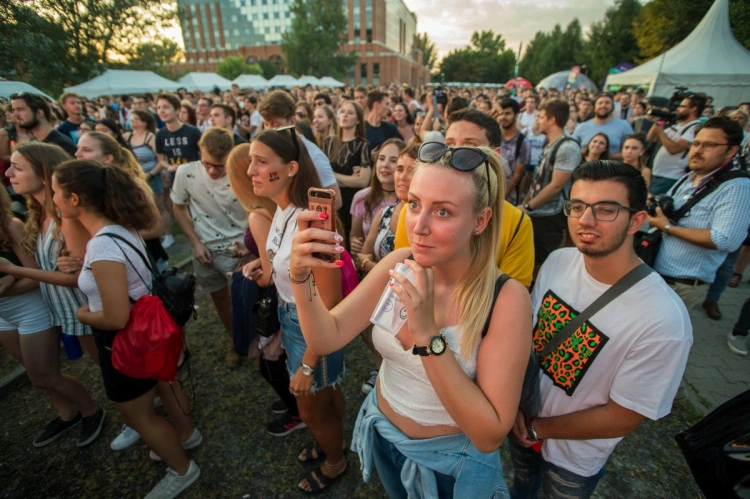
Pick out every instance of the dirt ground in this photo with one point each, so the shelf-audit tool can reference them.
(238, 459)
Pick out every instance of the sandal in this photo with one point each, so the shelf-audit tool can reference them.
(735, 280)
(319, 482)
(315, 447)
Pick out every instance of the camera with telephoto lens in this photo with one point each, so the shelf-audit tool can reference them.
(441, 96)
(668, 117)
(663, 201)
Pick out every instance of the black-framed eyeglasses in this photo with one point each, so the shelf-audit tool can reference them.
(708, 146)
(293, 131)
(603, 212)
(463, 159)
(215, 166)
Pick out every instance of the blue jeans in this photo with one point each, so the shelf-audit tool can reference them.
(660, 185)
(389, 461)
(530, 471)
(723, 275)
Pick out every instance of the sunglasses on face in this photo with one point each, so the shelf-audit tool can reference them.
(463, 159)
(292, 129)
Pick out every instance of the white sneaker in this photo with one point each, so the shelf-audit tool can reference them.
(191, 443)
(168, 241)
(127, 437)
(737, 344)
(174, 483)
(368, 385)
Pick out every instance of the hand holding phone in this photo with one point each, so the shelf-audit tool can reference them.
(323, 201)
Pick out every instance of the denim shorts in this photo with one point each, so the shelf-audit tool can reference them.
(329, 369)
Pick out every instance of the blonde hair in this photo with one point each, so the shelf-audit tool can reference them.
(238, 163)
(475, 291)
(333, 127)
(6, 215)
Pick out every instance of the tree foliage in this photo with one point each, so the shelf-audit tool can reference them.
(612, 40)
(486, 60)
(312, 45)
(662, 24)
(429, 52)
(555, 51)
(235, 65)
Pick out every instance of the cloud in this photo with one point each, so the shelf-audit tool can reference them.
(450, 24)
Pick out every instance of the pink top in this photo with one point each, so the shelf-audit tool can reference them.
(358, 209)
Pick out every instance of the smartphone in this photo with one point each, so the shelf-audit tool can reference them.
(323, 201)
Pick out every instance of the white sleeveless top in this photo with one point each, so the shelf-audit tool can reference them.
(404, 383)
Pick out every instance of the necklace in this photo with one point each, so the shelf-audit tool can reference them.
(390, 192)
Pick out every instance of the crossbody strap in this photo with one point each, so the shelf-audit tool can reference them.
(498, 286)
(151, 268)
(625, 283)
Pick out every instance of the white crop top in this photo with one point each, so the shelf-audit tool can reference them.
(404, 383)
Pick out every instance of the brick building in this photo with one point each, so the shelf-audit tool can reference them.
(383, 32)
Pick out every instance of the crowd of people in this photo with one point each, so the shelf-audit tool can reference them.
(491, 219)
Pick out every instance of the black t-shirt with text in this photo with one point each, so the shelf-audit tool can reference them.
(179, 147)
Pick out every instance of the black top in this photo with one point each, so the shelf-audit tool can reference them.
(377, 135)
(238, 139)
(61, 140)
(179, 147)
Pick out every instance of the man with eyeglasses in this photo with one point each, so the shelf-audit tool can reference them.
(671, 159)
(622, 365)
(212, 219)
(694, 248)
(33, 114)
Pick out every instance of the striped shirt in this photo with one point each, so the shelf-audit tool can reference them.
(62, 301)
(725, 212)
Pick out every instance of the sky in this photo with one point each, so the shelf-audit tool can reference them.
(450, 23)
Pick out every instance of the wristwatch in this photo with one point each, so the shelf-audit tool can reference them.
(532, 431)
(306, 370)
(666, 228)
(436, 346)
(528, 207)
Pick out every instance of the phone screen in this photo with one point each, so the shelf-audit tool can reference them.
(322, 201)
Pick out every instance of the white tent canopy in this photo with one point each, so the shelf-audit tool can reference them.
(250, 81)
(205, 82)
(709, 60)
(330, 82)
(308, 80)
(286, 81)
(123, 81)
(13, 87)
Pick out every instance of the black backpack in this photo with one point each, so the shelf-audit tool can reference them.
(174, 287)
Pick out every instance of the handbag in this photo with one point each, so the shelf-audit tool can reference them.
(266, 313)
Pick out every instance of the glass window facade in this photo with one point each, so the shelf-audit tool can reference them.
(376, 73)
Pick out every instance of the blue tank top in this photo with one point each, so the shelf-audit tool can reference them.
(144, 154)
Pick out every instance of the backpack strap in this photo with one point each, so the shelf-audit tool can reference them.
(550, 166)
(519, 145)
(498, 286)
(147, 261)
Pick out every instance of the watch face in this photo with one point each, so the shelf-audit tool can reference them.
(437, 345)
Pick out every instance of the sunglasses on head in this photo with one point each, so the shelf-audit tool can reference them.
(463, 159)
(293, 130)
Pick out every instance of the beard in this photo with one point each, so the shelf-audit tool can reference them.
(603, 116)
(610, 246)
(29, 125)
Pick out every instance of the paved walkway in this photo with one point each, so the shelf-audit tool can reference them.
(714, 374)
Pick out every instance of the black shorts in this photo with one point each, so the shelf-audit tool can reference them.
(549, 232)
(119, 387)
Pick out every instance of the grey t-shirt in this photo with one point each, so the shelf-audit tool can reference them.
(567, 158)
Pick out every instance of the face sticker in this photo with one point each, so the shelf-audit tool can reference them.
(273, 176)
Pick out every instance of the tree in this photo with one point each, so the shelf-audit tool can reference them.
(612, 40)
(269, 69)
(313, 44)
(156, 56)
(486, 60)
(555, 51)
(662, 24)
(429, 53)
(234, 65)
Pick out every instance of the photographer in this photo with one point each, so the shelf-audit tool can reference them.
(671, 159)
(696, 245)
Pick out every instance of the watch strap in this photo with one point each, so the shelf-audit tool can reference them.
(306, 367)
(423, 351)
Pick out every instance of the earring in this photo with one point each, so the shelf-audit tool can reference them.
(475, 232)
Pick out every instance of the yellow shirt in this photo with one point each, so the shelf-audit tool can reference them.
(515, 254)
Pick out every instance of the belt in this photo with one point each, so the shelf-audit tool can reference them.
(682, 280)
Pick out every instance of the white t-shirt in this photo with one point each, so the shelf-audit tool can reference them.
(279, 249)
(104, 248)
(217, 215)
(322, 164)
(674, 166)
(255, 120)
(633, 351)
(526, 120)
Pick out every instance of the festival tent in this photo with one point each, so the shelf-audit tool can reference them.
(122, 82)
(256, 82)
(308, 80)
(562, 79)
(285, 81)
(518, 82)
(13, 87)
(329, 82)
(205, 82)
(709, 60)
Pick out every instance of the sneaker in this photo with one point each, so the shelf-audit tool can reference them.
(55, 429)
(168, 241)
(737, 344)
(285, 425)
(279, 407)
(127, 437)
(232, 359)
(174, 483)
(91, 427)
(191, 443)
(368, 385)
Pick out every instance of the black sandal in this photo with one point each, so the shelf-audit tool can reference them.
(325, 482)
(734, 281)
(308, 449)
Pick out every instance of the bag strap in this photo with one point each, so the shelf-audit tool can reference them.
(518, 227)
(711, 186)
(625, 283)
(498, 286)
(147, 261)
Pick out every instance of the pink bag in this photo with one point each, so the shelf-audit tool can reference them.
(349, 279)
